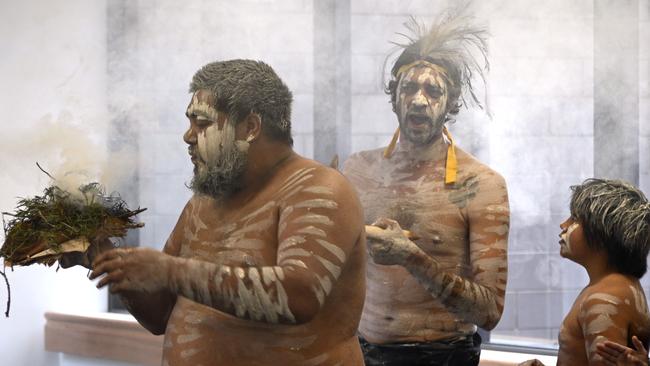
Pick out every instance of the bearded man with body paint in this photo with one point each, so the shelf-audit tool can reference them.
(425, 298)
(266, 265)
(608, 233)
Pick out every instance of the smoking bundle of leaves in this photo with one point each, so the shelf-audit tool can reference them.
(43, 228)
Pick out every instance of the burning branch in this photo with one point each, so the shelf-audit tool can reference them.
(44, 228)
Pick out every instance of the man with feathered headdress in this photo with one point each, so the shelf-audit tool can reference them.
(426, 297)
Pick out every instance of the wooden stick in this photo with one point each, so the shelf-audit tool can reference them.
(376, 230)
(8, 294)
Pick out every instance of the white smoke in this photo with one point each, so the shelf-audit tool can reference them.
(73, 152)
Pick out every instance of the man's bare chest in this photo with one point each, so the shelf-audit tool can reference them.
(435, 212)
(424, 191)
(243, 237)
(421, 191)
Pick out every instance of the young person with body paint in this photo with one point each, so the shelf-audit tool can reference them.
(266, 265)
(425, 298)
(608, 233)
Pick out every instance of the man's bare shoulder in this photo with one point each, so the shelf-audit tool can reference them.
(315, 168)
(485, 184)
(313, 177)
(174, 241)
(473, 166)
(363, 158)
(620, 293)
(313, 193)
(613, 308)
(614, 288)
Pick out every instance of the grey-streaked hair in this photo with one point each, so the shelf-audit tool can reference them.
(453, 43)
(241, 87)
(615, 217)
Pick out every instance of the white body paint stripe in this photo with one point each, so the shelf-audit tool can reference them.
(338, 252)
(600, 324)
(317, 203)
(186, 353)
(602, 309)
(333, 269)
(313, 219)
(279, 272)
(639, 300)
(320, 190)
(268, 275)
(320, 295)
(291, 241)
(293, 191)
(604, 297)
(186, 338)
(251, 244)
(293, 252)
(269, 205)
(312, 230)
(296, 175)
(293, 262)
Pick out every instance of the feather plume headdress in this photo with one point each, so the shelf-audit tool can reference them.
(452, 42)
(460, 48)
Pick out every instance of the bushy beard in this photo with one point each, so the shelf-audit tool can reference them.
(221, 178)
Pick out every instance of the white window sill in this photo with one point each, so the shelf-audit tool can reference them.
(109, 336)
(502, 358)
(119, 337)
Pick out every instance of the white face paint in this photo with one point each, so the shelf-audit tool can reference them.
(566, 237)
(202, 109)
(422, 102)
(213, 141)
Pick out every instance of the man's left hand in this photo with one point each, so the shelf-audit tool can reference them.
(390, 245)
(133, 269)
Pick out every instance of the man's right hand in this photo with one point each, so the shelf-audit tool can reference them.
(136, 269)
(388, 244)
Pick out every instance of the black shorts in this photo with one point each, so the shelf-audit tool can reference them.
(460, 351)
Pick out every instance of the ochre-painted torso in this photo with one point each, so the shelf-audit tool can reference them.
(412, 191)
(247, 236)
(614, 309)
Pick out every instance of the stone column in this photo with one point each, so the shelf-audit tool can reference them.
(616, 89)
(123, 129)
(332, 86)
